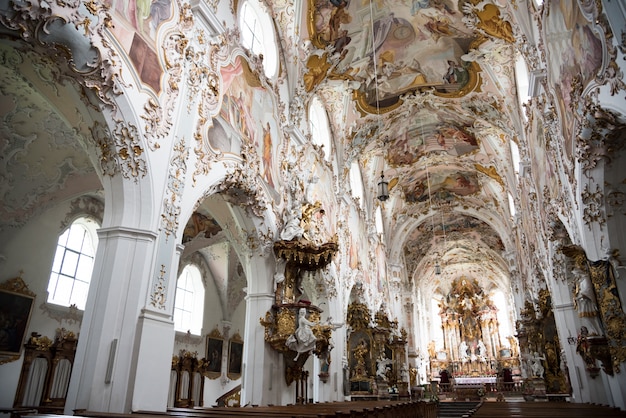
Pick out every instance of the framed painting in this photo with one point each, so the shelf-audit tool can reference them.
(214, 354)
(16, 305)
(235, 357)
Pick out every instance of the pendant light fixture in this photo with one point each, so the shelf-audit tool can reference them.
(383, 185)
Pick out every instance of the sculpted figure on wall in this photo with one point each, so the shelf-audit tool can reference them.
(303, 340)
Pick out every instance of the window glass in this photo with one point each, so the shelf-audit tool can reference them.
(73, 264)
(189, 301)
(318, 124)
(379, 220)
(356, 182)
(257, 35)
(523, 83)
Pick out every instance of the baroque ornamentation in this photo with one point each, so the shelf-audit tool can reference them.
(611, 314)
(485, 17)
(70, 315)
(593, 201)
(92, 60)
(175, 186)
(159, 291)
(120, 150)
(599, 135)
(84, 205)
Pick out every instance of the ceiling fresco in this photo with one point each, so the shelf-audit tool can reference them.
(416, 45)
(433, 105)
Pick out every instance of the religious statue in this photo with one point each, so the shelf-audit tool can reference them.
(303, 340)
(431, 349)
(359, 353)
(482, 350)
(382, 368)
(292, 229)
(535, 365)
(463, 348)
(585, 302)
(413, 376)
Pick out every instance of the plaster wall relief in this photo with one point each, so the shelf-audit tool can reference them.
(61, 29)
(177, 173)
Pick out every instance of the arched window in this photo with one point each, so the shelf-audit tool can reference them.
(523, 83)
(379, 220)
(73, 264)
(257, 34)
(318, 124)
(189, 304)
(356, 182)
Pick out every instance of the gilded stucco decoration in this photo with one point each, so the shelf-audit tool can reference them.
(158, 297)
(303, 254)
(158, 113)
(62, 29)
(599, 135)
(121, 151)
(177, 173)
(593, 201)
(241, 188)
(70, 315)
(486, 18)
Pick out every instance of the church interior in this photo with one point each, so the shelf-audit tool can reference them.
(357, 201)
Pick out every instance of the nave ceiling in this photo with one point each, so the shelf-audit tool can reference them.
(423, 91)
(438, 125)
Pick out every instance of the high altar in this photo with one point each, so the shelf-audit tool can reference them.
(473, 355)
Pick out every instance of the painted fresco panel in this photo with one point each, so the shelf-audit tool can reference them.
(422, 47)
(443, 186)
(247, 111)
(575, 54)
(136, 24)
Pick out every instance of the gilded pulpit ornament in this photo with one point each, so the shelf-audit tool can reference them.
(293, 325)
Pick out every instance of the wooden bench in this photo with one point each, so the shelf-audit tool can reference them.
(362, 408)
(545, 410)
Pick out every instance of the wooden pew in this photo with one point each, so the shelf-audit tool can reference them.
(545, 410)
(348, 409)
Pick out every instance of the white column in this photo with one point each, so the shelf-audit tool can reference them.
(261, 370)
(105, 364)
(156, 334)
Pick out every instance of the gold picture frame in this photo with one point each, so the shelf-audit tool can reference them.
(16, 306)
(214, 354)
(235, 357)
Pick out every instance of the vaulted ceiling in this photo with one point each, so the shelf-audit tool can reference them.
(425, 92)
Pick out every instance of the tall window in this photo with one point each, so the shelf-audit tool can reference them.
(521, 77)
(73, 264)
(356, 182)
(257, 34)
(379, 220)
(189, 304)
(318, 123)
